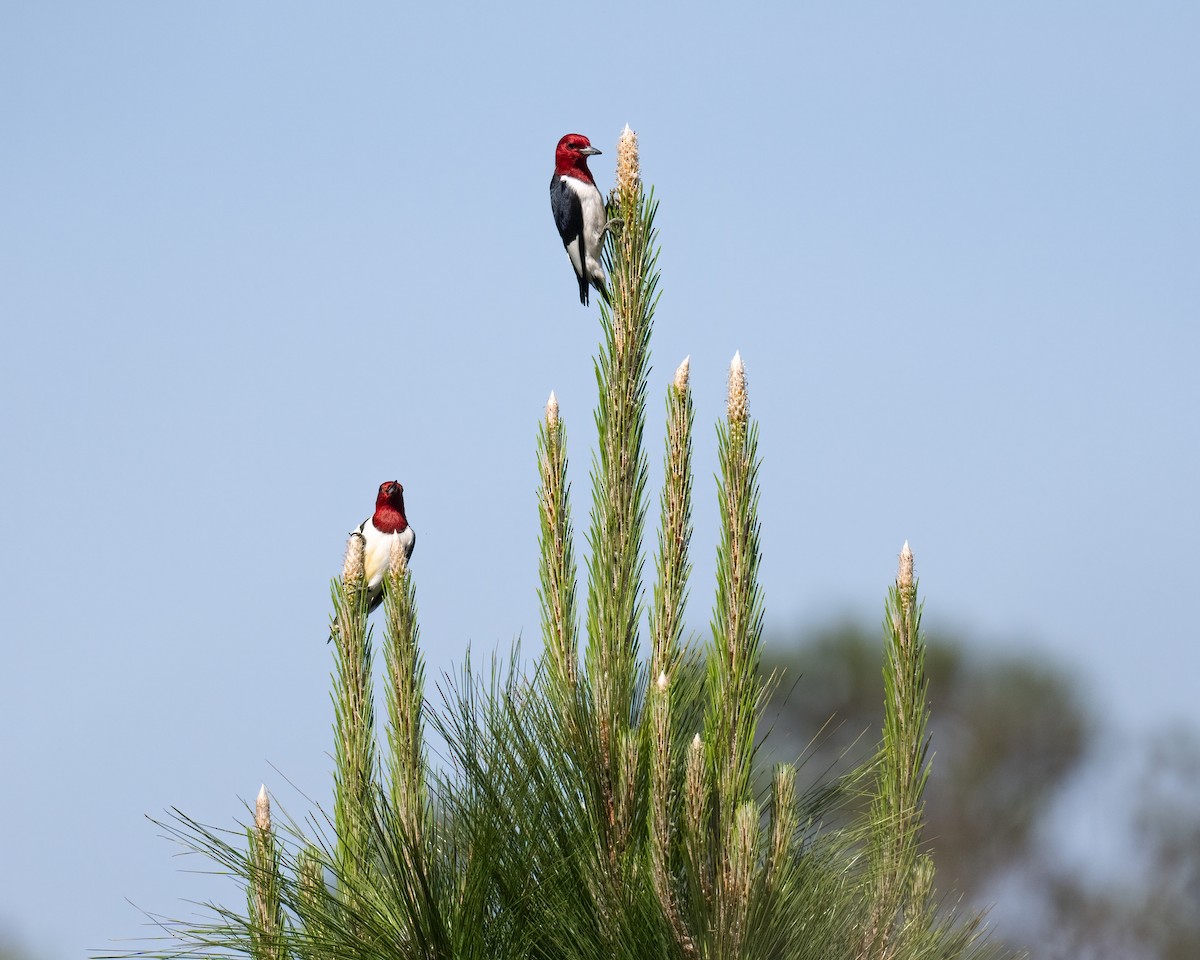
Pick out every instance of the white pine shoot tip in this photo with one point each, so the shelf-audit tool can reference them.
(262, 810)
(552, 412)
(628, 170)
(681, 375)
(745, 853)
(904, 579)
(738, 410)
(352, 569)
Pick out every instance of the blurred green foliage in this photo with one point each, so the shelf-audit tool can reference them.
(1009, 735)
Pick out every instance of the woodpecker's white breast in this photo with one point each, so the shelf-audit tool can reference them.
(377, 551)
(594, 218)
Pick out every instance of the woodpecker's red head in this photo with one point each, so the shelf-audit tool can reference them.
(389, 508)
(570, 157)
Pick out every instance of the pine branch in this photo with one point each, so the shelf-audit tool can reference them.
(266, 911)
(354, 717)
(406, 689)
(618, 481)
(903, 878)
(699, 865)
(735, 693)
(734, 688)
(559, 629)
(675, 533)
(313, 902)
(666, 629)
(783, 821)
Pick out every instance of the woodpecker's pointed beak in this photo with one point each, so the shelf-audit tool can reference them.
(590, 151)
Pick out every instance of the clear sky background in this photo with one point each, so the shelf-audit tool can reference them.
(257, 258)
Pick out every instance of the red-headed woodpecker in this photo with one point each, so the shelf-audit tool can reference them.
(579, 211)
(387, 523)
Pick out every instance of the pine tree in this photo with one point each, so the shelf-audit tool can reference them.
(601, 803)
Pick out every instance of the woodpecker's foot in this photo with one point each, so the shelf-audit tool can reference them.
(614, 222)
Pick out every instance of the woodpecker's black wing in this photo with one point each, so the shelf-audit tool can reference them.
(568, 217)
(568, 211)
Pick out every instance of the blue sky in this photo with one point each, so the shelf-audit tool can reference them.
(258, 258)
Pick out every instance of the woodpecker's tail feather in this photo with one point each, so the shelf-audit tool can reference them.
(601, 288)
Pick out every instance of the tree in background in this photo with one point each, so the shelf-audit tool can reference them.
(1011, 734)
(602, 805)
(10, 952)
